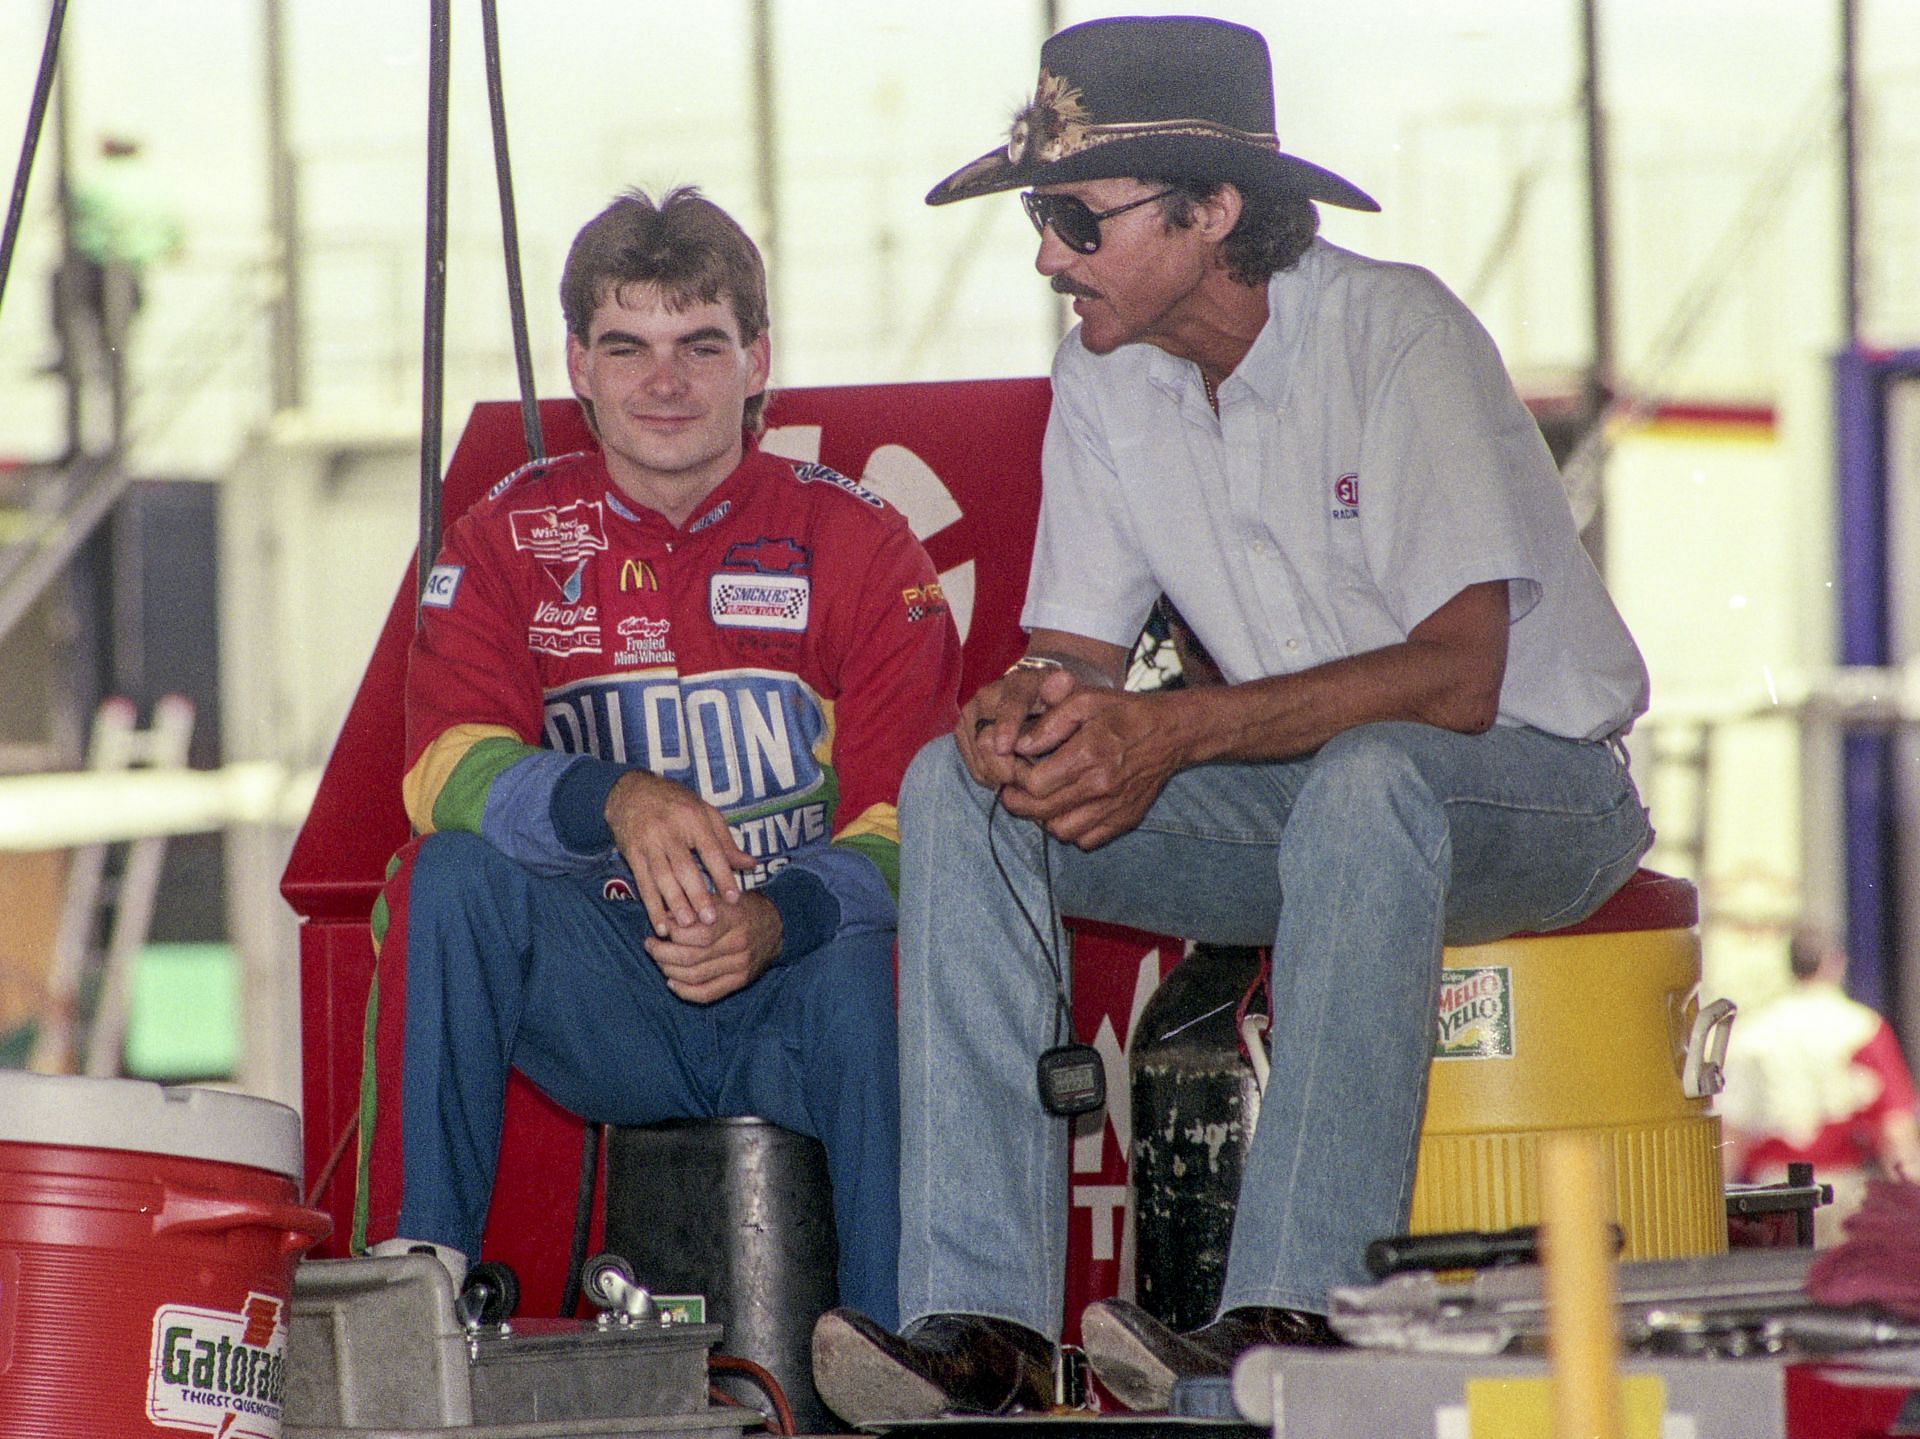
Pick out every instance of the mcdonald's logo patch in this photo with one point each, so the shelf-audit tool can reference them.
(637, 575)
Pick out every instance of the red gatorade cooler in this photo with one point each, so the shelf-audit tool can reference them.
(148, 1238)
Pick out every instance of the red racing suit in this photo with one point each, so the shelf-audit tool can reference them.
(784, 656)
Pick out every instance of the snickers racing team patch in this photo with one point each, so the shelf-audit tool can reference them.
(760, 602)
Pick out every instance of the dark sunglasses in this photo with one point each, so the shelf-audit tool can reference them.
(1070, 219)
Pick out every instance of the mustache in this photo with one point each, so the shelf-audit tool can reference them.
(1064, 286)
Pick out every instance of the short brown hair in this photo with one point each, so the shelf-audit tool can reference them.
(1275, 227)
(686, 246)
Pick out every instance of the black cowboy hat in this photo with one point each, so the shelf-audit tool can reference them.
(1182, 97)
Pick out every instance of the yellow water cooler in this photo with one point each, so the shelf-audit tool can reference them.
(1596, 1029)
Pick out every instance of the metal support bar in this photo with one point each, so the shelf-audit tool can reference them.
(434, 322)
(766, 148)
(1849, 172)
(1599, 213)
(288, 384)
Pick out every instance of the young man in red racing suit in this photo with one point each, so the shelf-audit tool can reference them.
(657, 714)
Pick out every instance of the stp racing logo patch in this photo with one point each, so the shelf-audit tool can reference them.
(759, 602)
(1476, 1013)
(217, 1372)
(1346, 497)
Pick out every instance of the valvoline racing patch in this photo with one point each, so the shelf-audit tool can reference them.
(759, 602)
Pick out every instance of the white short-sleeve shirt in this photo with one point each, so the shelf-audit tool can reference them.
(1370, 460)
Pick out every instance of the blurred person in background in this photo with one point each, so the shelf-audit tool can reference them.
(123, 225)
(1817, 1076)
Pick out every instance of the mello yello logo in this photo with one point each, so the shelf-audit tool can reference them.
(219, 1372)
(1475, 1014)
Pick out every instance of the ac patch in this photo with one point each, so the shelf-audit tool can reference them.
(442, 583)
(759, 602)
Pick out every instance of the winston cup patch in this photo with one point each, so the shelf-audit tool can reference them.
(1476, 1013)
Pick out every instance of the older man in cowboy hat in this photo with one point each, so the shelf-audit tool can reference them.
(1320, 460)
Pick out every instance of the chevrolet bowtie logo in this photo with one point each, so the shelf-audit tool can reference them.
(637, 575)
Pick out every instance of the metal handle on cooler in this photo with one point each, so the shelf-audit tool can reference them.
(1703, 1075)
(191, 1211)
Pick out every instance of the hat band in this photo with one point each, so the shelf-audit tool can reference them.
(1077, 139)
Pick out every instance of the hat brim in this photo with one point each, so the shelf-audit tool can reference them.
(1202, 159)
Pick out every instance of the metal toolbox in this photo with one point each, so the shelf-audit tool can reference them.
(375, 1351)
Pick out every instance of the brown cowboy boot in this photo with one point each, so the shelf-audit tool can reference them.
(1140, 1359)
(967, 1363)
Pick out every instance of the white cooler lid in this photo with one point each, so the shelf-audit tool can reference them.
(147, 1118)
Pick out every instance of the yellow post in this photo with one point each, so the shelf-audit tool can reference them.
(1583, 1340)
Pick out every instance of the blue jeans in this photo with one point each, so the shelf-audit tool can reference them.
(507, 968)
(1388, 842)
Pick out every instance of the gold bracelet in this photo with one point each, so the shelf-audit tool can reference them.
(1035, 662)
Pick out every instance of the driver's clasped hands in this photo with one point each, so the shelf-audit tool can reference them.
(1078, 759)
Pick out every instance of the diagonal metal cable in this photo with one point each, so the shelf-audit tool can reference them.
(30, 144)
(510, 234)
